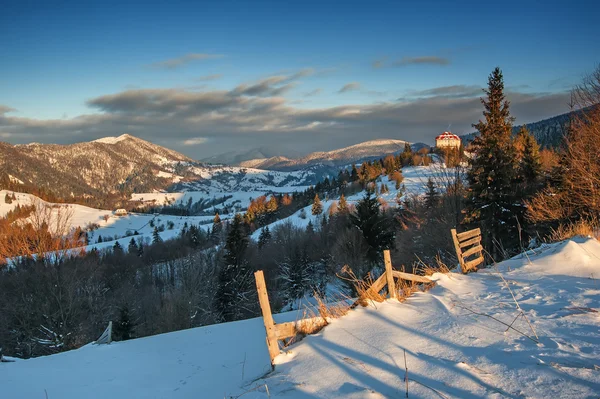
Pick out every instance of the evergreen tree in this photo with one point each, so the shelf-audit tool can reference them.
(296, 274)
(375, 227)
(317, 207)
(117, 248)
(194, 236)
(354, 174)
(406, 155)
(491, 197)
(342, 206)
(264, 238)
(234, 281)
(530, 166)
(123, 328)
(156, 236)
(132, 248)
(215, 234)
(310, 228)
(431, 195)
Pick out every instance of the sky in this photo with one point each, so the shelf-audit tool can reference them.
(206, 78)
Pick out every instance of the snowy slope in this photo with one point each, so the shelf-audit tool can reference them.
(115, 228)
(415, 184)
(450, 352)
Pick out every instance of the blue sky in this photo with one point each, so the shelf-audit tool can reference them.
(60, 61)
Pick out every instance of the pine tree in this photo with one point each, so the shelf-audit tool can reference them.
(117, 248)
(530, 166)
(234, 282)
(310, 228)
(132, 248)
(375, 227)
(156, 236)
(123, 328)
(406, 155)
(431, 195)
(264, 238)
(297, 274)
(342, 206)
(317, 207)
(354, 174)
(215, 234)
(491, 198)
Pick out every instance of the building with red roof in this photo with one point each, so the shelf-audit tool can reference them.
(447, 140)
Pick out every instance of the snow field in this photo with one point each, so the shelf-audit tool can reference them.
(450, 351)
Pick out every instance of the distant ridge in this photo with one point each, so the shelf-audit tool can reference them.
(338, 157)
(548, 132)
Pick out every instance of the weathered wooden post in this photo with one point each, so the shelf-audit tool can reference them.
(265, 307)
(388, 273)
(458, 250)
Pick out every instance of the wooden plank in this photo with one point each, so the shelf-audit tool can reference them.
(472, 241)
(285, 330)
(472, 251)
(472, 264)
(388, 274)
(468, 234)
(458, 250)
(265, 307)
(411, 277)
(378, 284)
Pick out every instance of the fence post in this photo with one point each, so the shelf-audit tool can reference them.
(265, 307)
(388, 273)
(461, 261)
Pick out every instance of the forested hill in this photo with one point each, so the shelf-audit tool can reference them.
(548, 132)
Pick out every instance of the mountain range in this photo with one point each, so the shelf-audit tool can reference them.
(119, 166)
(259, 158)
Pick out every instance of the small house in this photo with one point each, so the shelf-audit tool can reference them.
(121, 212)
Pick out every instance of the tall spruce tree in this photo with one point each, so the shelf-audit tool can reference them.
(234, 282)
(492, 176)
(431, 195)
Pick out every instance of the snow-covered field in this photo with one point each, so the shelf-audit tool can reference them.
(450, 351)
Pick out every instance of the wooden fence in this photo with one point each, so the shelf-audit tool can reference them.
(283, 331)
(468, 244)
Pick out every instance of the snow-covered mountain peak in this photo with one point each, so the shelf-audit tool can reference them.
(114, 140)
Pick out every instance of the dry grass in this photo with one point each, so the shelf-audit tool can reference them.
(405, 288)
(313, 319)
(362, 287)
(428, 270)
(585, 228)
